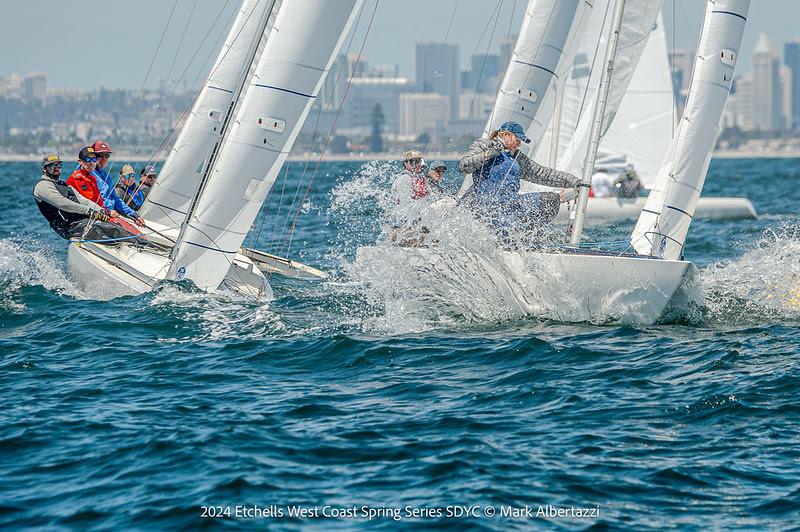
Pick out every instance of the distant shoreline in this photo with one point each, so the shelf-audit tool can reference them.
(444, 156)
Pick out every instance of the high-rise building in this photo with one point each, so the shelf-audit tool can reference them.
(364, 94)
(484, 70)
(791, 58)
(36, 86)
(506, 51)
(438, 71)
(739, 106)
(423, 112)
(345, 66)
(767, 89)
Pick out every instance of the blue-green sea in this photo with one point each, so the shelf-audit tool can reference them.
(182, 410)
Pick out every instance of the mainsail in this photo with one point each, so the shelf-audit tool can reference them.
(662, 226)
(541, 56)
(171, 196)
(287, 78)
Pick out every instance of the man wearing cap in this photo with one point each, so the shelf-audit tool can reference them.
(58, 202)
(83, 179)
(147, 178)
(411, 182)
(497, 166)
(126, 188)
(435, 174)
(111, 200)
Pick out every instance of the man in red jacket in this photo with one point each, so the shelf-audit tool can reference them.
(83, 180)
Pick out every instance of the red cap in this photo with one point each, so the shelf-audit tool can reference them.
(101, 147)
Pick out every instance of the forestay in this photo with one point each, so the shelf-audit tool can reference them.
(662, 226)
(171, 196)
(638, 19)
(543, 52)
(288, 76)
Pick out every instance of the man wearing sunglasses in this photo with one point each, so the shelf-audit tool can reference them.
(83, 180)
(58, 202)
(435, 174)
(411, 182)
(105, 184)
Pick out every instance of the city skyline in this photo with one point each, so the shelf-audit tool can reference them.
(123, 59)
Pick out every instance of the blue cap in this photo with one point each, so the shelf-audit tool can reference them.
(516, 129)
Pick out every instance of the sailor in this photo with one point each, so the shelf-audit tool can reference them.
(147, 178)
(83, 179)
(72, 215)
(435, 173)
(602, 185)
(497, 165)
(126, 188)
(411, 182)
(111, 200)
(629, 185)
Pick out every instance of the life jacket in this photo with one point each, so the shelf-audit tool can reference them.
(500, 183)
(86, 185)
(60, 221)
(419, 186)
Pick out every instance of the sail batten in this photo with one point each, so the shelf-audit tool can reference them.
(171, 197)
(662, 227)
(286, 79)
(549, 33)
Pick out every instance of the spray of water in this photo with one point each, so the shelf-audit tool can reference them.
(25, 262)
(760, 286)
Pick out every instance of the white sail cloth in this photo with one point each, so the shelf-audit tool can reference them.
(647, 117)
(171, 196)
(638, 19)
(550, 31)
(662, 226)
(288, 76)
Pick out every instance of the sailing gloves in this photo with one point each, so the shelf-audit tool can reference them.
(99, 216)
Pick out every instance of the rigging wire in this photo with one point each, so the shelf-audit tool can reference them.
(272, 246)
(158, 47)
(287, 242)
(180, 44)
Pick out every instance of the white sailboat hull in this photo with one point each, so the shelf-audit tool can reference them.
(106, 272)
(611, 209)
(566, 287)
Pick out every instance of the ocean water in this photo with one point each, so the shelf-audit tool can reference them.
(382, 397)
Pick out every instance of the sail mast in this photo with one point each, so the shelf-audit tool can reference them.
(662, 227)
(576, 226)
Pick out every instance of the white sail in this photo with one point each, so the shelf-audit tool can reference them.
(662, 226)
(638, 19)
(647, 117)
(169, 200)
(288, 76)
(550, 31)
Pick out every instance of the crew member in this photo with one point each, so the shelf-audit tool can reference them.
(111, 200)
(73, 215)
(629, 185)
(435, 174)
(83, 179)
(497, 166)
(602, 185)
(411, 182)
(126, 188)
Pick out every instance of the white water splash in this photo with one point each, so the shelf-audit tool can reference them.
(762, 285)
(30, 263)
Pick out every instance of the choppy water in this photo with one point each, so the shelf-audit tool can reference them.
(137, 412)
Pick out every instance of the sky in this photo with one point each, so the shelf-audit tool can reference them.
(115, 49)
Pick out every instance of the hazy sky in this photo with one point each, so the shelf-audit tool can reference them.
(114, 48)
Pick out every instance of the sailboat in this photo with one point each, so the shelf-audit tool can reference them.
(224, 162)
(642, 130)
(571, 283)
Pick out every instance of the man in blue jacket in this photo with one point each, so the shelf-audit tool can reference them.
(106, 185)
